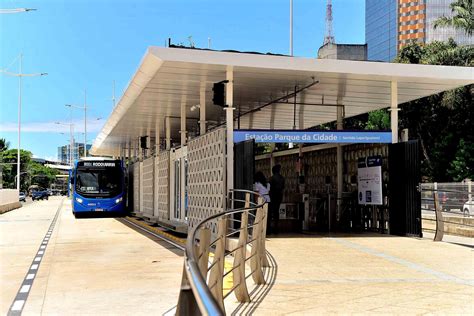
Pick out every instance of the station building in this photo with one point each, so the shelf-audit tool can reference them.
(185, 153)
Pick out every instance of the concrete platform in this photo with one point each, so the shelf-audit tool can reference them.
(365, 274)
(97, 266)
(91, 266)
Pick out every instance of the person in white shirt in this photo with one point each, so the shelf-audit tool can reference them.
(262, 186)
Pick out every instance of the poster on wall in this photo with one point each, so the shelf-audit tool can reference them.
(369, 180)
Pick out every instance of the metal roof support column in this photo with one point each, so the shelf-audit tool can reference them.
(394, 110)
(202, 111)
(229, 96)
(140, 150)
(168, 133)
(183, 124)
(340, 162)
(157, 138)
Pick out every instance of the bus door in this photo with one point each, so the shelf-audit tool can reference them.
(179, 184)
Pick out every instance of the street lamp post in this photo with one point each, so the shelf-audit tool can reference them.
(20, 75)
(85, 119)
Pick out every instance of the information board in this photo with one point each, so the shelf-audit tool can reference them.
(305, 136)
(369, 180)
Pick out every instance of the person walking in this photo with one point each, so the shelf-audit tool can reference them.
(277, 185)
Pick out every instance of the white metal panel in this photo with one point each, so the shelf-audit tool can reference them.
(136, 187)
(206, 176)
(147, 188)
(140, 175)
(162, 185)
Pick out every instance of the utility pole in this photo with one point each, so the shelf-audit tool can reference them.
(85, 123)
(291, 27)
(18, 160)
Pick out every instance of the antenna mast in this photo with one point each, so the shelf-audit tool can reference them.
(329, 37)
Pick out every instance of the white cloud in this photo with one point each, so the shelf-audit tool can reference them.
(93, 126)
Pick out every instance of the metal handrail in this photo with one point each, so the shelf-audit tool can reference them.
(203, 297)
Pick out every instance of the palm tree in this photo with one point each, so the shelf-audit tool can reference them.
(462, 18)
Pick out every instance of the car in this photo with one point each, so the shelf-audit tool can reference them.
(39, 195)
(468, 208)
(22, 197)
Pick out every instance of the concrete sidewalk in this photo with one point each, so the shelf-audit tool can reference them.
(92, 266)
(366, 274)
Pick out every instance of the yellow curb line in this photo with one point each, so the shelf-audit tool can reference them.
(178, 240)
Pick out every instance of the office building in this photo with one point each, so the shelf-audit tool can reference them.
(64, 152)
(391, 24)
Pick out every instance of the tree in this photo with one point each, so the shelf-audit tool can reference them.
(4, 144)
(442, 122)
(8, 159)
(462, 17)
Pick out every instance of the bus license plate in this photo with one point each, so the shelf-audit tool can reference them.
(99, 209)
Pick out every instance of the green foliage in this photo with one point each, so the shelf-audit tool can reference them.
(462, 166)
(443, 123)
(41, 175)
(462, 17)
(378, 120)
(30, 172)
(4, 144)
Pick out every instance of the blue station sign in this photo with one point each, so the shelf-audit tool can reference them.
(304, 136)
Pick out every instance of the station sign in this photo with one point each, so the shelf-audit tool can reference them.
(305, 136)
(369, 180)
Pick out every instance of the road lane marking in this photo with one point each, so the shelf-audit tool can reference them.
(25, 288)
(18, 305)
(22, 295)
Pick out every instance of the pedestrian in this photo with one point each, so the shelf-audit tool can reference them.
(262, 186)
(277, 185)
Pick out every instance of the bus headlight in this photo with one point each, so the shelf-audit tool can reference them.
(117, 201)
(79, 200)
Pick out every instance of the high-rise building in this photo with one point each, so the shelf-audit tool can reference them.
(391, 24)
(64, 152)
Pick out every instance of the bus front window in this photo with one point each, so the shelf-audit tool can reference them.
(103, 182)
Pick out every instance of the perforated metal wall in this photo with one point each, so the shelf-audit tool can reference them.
(206, 176)
(162, 165)
(136, 187)
(148, 172)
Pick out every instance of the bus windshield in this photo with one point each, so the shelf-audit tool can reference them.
(103, 182)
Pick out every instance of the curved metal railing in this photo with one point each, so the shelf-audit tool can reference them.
(202, 289)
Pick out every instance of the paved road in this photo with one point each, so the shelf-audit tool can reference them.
(90, 266)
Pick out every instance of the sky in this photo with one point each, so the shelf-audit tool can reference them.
(87, 45)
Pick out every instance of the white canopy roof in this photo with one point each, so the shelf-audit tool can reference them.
(169, 77)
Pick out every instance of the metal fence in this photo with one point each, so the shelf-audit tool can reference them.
(238, 243)
(447, 208)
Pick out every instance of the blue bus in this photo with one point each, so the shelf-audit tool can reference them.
(98, 185)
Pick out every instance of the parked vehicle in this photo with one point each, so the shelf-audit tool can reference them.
(39, 195)
(22, 197)
(468, 208)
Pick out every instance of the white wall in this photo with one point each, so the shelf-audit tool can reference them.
(8, 196)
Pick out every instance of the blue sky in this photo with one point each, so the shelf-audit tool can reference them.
(87, 44)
